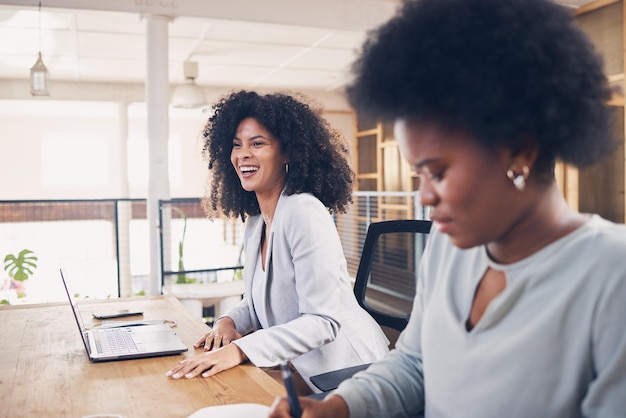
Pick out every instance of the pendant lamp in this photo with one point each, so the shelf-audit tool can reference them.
(189, 95)
(39, 72)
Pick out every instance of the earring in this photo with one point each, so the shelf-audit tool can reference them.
(286, 168)
(519, 180)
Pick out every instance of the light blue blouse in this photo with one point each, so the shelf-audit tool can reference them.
(552, 344)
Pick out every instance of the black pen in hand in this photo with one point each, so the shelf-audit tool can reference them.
(292, 395)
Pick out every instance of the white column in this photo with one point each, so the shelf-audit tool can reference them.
(124, 209)
(157, 100)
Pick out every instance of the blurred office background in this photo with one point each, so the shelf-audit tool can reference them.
(103, 171)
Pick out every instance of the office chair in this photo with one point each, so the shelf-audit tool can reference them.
(385, 282)
(388, 269)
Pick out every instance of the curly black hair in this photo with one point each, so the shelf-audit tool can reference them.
(317, 154)
(503, 70)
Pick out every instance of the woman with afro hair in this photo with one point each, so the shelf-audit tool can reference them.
(277, 164)
(520, 303)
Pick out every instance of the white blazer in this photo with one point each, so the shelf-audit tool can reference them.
(313, 317)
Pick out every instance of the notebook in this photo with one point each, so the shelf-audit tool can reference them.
(238, 410)
(125, 342)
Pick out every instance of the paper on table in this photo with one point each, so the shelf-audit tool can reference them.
(238, 410)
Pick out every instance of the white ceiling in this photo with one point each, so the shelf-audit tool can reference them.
(289, 44)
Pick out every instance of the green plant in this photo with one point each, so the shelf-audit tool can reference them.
(23, 266)
(19, 269)
(181, 277)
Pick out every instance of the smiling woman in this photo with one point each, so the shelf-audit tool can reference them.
(278, 165)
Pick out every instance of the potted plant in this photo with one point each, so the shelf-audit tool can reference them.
(181, 277)
(19, 268)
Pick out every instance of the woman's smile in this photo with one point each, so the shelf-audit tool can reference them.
(247, 171)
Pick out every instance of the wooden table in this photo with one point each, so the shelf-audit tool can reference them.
(45, 372)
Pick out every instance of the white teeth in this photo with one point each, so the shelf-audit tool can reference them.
(248, 169)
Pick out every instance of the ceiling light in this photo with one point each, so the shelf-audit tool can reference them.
(189, 95)
(39, 72)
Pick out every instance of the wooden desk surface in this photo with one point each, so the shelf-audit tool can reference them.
(45, 372)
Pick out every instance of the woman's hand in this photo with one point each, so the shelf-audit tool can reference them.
(209, 363)
(331, 407)
(222, 333)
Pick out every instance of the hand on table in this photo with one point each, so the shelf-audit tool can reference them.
(222, 333)
(209, 363)
(331, 407)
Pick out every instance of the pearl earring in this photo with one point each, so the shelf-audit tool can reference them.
(519, 180)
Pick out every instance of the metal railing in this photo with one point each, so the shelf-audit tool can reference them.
(195, 249)
(98, 241)
(106, 241)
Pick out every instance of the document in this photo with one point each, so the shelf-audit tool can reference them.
(238, 410)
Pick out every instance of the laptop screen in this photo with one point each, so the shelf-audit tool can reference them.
(74, 306)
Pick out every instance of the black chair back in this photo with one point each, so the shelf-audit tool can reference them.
(385, 279)
(385, 283)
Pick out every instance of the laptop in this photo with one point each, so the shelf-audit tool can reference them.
(125, 342)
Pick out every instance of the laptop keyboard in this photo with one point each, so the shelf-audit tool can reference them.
(116, 341)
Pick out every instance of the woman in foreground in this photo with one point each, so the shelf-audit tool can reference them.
(519, 310)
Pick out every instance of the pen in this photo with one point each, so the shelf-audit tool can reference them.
(292, 395)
